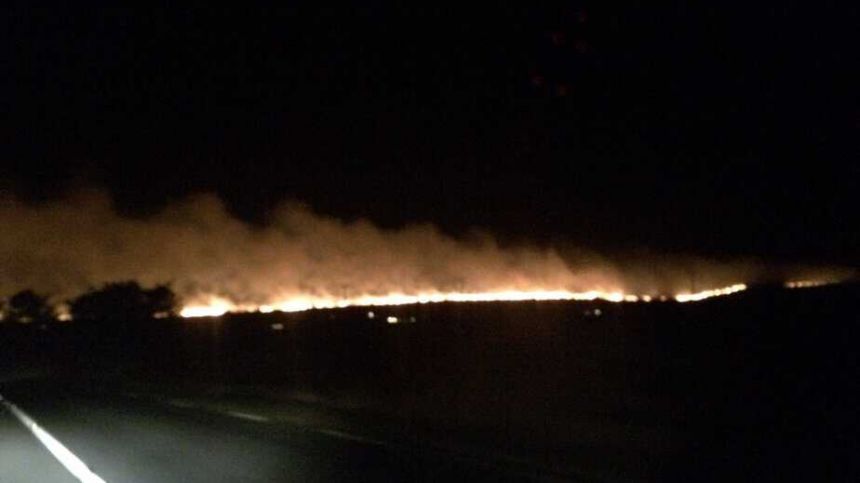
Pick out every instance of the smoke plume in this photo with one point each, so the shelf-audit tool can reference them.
(64, 248)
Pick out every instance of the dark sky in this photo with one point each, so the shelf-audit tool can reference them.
(728, 129)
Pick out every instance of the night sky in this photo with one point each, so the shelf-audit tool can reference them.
(723, 130)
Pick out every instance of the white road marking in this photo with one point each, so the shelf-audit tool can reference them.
(72, 463)
(181, 403)
(296, 421)
(248, 416)
(352, 437)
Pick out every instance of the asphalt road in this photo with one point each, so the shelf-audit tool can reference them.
(128, 440)
(23, 458)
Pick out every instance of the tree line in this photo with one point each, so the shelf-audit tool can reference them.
(127, 301)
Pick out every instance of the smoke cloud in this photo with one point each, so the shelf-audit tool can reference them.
(64, 248)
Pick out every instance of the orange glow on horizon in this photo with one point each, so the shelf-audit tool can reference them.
(807, 283)
(217, 306)
(706, 294)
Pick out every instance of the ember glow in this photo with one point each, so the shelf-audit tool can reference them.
(807, 283)
(215, 308)
(219, 306)
(705, 294)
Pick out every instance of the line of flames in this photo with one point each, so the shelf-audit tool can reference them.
(217, 306)
(807, 283)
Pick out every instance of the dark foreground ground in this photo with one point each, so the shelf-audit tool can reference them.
(755, 387)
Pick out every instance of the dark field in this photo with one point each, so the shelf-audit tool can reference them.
(756, 386)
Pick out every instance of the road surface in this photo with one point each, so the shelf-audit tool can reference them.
(134, 440)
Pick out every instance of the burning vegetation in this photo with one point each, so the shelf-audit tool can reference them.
(301, 260)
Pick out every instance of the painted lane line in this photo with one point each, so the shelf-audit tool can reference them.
(248, 416)
(68, 459)
(328, 432)
(181, 403)
(351, 437)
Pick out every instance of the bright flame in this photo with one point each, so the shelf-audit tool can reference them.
(807, 283)
(705, 294)
(215, 308)
(218, 306)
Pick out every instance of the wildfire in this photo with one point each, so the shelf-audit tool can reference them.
(217, 306)
(705, 294)
(807, 283)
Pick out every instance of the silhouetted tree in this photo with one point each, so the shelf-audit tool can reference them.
(124, 301)
(163, 301)
(27, 307)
